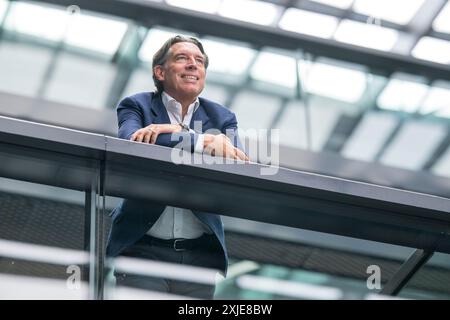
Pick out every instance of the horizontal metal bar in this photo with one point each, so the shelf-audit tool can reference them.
(68, 158)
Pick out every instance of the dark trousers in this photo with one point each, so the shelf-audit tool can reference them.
(201, 257)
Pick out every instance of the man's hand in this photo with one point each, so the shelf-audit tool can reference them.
(221, 146)
(150, 133)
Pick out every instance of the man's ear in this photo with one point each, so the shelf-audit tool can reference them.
(159, 72)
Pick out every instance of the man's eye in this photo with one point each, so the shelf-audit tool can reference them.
(200, 61)
(181, 58)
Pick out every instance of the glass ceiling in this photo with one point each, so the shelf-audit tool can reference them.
(80, 30)
(3, 6)
(327, 19)
(249, 11)
(310, 23)
(397, 11)
(442, 22)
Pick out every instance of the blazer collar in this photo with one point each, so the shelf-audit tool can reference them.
(161, 116)
(158, 110)
(200, 115)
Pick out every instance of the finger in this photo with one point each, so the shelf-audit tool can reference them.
(139, 136)
(147, 136)
(241, 155)
(154, 137)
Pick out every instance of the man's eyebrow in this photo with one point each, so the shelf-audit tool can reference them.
(187, 53)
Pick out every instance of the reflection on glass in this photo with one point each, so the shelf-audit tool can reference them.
(42, 242)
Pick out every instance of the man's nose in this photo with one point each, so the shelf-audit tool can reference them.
(192, 64)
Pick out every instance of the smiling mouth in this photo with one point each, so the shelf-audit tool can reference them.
(188, 77)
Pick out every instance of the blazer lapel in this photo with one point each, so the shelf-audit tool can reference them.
(200, 115)
(158, 110)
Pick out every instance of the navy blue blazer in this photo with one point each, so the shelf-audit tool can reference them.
(133, 218)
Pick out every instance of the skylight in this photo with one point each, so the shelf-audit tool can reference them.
(432, 49)
(96, 33)
(413, 145)
(332, 81)
(3, 6)
(313, 24)
(155, 39)
(86, 31)
(275, 68)
(369, 136)
(208, 6)
(226, 57)
(366, 35)
(397, 11)
(36, 20)
(402, 95)
(249, 11)
(442, 166)
(437, 101)
(442, 21)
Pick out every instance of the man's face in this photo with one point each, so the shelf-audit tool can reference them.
(183, 74)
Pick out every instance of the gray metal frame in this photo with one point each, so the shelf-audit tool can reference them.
(70, 159)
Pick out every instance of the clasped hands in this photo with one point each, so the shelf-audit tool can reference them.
(216, 145)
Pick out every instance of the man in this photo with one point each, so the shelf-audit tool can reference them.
(152, 231)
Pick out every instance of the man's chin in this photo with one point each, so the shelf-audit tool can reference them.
(193, 92)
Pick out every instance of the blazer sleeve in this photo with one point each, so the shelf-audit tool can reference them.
(130, 119)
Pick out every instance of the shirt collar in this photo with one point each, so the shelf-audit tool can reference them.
(171, 104)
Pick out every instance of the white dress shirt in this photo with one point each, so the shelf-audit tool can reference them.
(178, 222)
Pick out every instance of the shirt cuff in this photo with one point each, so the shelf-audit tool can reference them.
(199, 144)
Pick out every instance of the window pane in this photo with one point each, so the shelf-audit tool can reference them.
(398, 11)
(413, 145)
(249, 11)
(208, 6)
(313, 24)
(366, 35)
(402, 95)
(333, 81)
(432, 49)
(275, 68)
